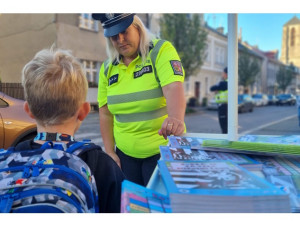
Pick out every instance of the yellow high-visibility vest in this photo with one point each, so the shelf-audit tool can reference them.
(221, 97)
(134, 96)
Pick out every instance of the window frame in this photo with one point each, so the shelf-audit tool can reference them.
(232, 56)
(87, 22)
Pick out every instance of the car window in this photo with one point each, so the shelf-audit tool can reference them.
(3, 103)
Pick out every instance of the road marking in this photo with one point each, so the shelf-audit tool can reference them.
(266, 125)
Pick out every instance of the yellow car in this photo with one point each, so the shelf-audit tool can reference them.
(15, 124)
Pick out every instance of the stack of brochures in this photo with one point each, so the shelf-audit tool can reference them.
(284, 173)
(281, 139)
(280, 168)
(250, 144)
(256, 148)
(138, 199)
(186, 153)
(219, 187)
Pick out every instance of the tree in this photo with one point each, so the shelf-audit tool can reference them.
(284, 77)
(187, 35)
(248, 70)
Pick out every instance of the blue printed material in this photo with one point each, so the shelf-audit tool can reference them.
(49, 179)
(219, 186)
(183, 142)
(284, 173)
(186, 153)
(138, 199)
(283, 139)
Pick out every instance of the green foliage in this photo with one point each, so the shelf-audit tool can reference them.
(284, 77)
(187, 35)
(248, 70)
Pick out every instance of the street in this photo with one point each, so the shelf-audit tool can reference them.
(266, 120)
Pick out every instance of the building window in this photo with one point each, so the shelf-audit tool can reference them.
(220, 55)
(293, 36)
(87, 22)
(90, 69)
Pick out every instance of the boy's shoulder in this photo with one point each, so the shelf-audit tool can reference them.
(26, 145)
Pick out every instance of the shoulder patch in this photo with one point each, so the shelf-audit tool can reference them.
(113, 79)
(177, 68)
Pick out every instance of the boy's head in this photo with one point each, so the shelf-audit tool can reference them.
(54, 86)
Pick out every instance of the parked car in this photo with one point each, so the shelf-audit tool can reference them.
(245, 103)
(212, 105)
(15, 124)
(272, 100)
(260, 99)
(286, 99)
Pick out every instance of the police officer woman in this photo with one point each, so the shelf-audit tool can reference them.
(140, 95)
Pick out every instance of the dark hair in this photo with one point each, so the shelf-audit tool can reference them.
(225, 70)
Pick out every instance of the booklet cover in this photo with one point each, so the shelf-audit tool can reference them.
(182, 142)
(138, 199)
(288, 145)
(284, 173)
(213, 178)
(186, 153)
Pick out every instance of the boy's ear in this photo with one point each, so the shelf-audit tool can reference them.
(84, 110)
(27, 110)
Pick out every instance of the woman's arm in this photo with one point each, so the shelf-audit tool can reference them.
(106, 128)
(174, 123)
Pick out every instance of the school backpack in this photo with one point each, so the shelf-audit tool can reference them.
(52, 179)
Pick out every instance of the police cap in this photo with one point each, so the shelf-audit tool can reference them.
(114, 23)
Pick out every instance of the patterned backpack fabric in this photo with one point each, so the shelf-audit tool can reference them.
(50, 179)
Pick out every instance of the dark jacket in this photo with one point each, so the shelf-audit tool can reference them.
(221, 86)
(107, 173)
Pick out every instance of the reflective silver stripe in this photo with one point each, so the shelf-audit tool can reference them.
(136, 96)
(137, 117)
(106, 67)
(153, 56)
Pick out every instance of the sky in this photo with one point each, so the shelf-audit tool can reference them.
(262, 29)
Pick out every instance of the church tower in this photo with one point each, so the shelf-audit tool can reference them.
(290, 47)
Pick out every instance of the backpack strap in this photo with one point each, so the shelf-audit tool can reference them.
(81, 147)
(153, 57)
(75, 148)
(6, 202)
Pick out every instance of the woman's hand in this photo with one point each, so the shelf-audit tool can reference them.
(171, 126)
